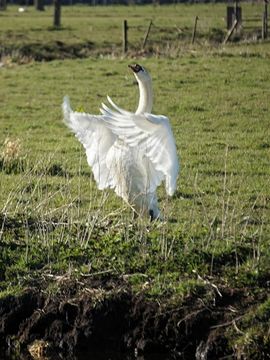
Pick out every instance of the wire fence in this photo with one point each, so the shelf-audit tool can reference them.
(252, 27)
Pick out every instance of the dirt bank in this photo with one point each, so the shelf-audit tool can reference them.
(55, 50)
(84, 315)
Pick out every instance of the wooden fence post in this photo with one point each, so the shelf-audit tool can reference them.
(234, 13)
(39, 5)
(230, 32)
(263, 26)
(3, 4)
(265, 21)
(194, 30)
(57, 13)
(146, 34)
(125, 36)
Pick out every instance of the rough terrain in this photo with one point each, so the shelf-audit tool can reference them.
(85, 315)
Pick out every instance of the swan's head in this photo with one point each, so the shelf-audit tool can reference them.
(141, 74)
(145, 86)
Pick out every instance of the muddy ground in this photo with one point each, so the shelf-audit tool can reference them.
(85, 315)
(56, 50)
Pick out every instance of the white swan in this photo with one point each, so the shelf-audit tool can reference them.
(131, 153)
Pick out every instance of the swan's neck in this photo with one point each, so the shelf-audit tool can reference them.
(146, 97)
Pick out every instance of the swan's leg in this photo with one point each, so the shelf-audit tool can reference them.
(151, 214)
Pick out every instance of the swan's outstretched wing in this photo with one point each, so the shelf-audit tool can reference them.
(117, 108)
(97, 139)
(153, 135)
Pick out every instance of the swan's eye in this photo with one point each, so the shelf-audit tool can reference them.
(138, 68)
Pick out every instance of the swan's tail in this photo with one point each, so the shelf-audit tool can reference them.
(66, 110)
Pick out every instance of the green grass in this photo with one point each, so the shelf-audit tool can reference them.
(54, 220)
(99, 29)
(220, 124)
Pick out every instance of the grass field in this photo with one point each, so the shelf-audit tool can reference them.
(98, 30)
(54, 220)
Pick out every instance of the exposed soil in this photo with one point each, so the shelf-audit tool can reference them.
(50, 51)
(85, 315)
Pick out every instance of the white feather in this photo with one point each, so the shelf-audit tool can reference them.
(129, 152)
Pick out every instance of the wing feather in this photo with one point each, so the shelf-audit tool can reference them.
(152, 134)
(117, 108)
(97, 139)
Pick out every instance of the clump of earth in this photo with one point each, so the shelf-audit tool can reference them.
(83, 315)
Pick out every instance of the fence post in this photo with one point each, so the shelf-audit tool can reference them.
(125, 36)
(57, 13)
(194, 30)
(263, 26)
(3, 4)
(230, 32)
(39, 5)
(265, 21)
(146, 34)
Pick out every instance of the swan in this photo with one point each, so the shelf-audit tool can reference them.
(132, 153)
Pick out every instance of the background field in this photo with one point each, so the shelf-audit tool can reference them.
(98, 30)
(53, 219)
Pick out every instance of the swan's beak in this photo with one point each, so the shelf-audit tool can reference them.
(135, 68)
